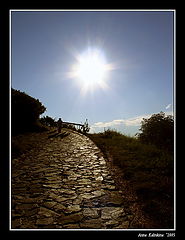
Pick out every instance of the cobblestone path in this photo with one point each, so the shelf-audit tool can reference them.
(66, 184)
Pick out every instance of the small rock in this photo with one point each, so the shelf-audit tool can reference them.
(109, 187)
(100, 178)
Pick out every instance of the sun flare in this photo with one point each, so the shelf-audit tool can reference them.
(91, 69)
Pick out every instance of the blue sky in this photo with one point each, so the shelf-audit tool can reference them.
(44, 46)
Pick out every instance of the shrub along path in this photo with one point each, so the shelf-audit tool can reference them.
(65, 183)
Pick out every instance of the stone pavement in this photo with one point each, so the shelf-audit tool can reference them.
(66, 184)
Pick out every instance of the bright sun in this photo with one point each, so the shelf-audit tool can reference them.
(91, 69)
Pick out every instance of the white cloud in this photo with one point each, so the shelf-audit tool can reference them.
(130, 125)
(118, 123)
(168, 106)
(136, 121)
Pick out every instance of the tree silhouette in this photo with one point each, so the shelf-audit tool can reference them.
(158, 130)
(25, 111)
(48, 121)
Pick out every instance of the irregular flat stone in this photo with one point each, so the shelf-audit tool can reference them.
(118, 212)
(65, 183)
(49, 204)
(57, 186)
(85, 189)
(86, 196)
(91, 213)
(100, 178)
(46, 212)
(28, 223)
(44, 221)
(30, 212)
(26, 206)
(111, 223)
(98, 193)
(40, 170)
(84, 181)
(109, 187)
(22, 199)
(77, 201)
(73, 209)
(72, 218)
(115, 198)
(61, 199)
(58, 207)
(106, 213)
(91, 224)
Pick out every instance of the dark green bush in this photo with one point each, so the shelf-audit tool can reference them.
(158, 130)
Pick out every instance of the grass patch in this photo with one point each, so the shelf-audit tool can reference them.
(147, 168)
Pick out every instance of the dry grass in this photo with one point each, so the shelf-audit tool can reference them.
(149, 171)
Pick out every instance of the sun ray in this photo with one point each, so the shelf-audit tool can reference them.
(91, 70)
